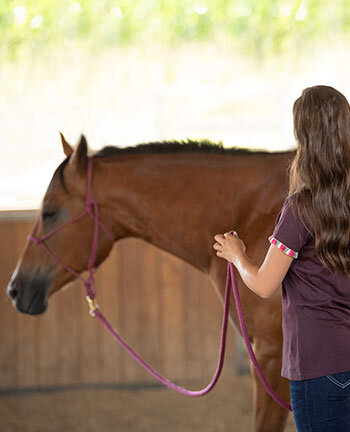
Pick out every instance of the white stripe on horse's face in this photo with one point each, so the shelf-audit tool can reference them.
(14, 274)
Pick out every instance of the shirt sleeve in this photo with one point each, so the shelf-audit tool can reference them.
(289, 234)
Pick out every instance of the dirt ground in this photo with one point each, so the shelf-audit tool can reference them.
(227, 408)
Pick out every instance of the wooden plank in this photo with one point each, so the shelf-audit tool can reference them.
(100, 330)
(89, 357)
(134, 302)
(69, 332)
(211, 310)
(110, 299)
(8, 314)
(123, 356)
(173, 327)
(49, 344)
(28, 337)
(192, 288)
(150, 331)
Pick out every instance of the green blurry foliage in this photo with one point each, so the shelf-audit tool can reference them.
(256, 27)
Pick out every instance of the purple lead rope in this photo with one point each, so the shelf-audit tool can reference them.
(161, 378)
(232, 276)
(91, 208)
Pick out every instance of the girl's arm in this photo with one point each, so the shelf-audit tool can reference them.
(267, 278)
(263, 280)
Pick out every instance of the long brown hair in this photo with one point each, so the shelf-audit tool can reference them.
(319, 175)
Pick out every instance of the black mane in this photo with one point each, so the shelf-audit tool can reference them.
(187, 146)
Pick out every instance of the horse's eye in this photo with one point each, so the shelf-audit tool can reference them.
(48, 214)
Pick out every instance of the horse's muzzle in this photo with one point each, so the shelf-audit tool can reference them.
(29, 294)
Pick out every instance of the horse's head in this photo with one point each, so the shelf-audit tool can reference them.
(38, 274)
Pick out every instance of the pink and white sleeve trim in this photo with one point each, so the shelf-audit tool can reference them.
(284, 248)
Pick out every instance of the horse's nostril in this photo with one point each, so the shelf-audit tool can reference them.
(13, 292)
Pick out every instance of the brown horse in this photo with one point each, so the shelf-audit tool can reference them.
(176, 196)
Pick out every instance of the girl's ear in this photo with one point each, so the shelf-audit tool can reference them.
(79, 156)
(67, 149)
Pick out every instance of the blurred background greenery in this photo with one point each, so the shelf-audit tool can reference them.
(130, 71)
(255, 27)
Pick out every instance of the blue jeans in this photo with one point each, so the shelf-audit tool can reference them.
(322, 404)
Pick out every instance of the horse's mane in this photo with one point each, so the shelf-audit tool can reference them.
(187, 146)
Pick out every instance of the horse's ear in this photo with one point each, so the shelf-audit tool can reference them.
(68, 150)
(79, 156)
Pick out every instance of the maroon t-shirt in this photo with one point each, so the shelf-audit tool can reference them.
(315, 304)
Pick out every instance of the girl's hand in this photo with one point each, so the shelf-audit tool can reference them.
(229, 246)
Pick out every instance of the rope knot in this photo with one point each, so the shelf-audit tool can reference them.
(92, 305)
(90, 202)
(35, 240)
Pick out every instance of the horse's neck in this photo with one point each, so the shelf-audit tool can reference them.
(178, 201)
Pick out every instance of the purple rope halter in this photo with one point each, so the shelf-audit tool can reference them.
(91, 208)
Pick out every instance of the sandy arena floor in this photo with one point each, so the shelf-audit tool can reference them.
(227, 408)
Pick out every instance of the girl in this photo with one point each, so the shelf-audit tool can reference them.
(309, 255)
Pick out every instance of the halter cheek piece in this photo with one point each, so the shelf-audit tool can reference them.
(91, 208)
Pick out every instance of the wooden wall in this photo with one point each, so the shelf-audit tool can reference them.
(164, 308)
